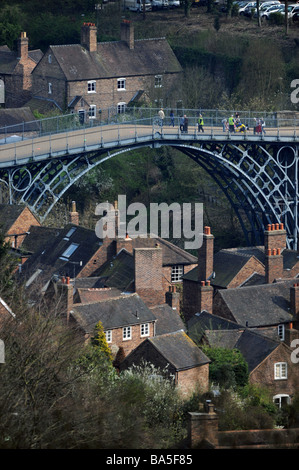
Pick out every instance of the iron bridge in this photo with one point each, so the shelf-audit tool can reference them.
(258, 173)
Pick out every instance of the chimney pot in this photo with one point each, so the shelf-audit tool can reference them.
(269, 252)
(281, 226)
(278, 251)
(68, 280)
(269, 227)
(273, 226)
(202, 283)
(274, 252)
(208, 283)
(276, 226)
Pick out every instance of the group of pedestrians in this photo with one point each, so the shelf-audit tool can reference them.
(232, 124)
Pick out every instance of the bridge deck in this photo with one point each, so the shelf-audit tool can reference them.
(38, 148)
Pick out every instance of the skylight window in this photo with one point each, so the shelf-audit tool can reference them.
(69, 251)
(70, 233)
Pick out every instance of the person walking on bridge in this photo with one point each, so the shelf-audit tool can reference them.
(200, 123)
(161, 116)
(231, 124)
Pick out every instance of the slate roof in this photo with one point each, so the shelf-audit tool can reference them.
(38, 237)
(262, 305)
(118, 272)
(255, 347)
(200, 322)
(9, 59)
(50, 259)
(126, 310)
(179, 350)
(15, 117)
(168, 319)
(148, 56)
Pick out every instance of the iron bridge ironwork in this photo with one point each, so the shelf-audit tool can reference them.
(258, 173)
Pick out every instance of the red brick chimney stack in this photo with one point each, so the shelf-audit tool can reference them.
(206, 255)
(74, 215)
(273, 265)
(89, 37)
(148, 275)
(23, 46)
(294, 300)
(275, 237)
(127, 33)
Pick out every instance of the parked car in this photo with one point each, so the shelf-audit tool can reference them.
(137, 5)
(266, 5)
(174, 3)
(159, 4)
(264, 14)
(247, 5)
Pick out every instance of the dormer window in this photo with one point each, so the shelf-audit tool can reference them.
(91, 86)
(50, 59)
(281, 331)
(121, 84)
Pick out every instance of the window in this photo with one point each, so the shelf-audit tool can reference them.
(92, 112)
(121, 83)
(50, 88)
(50, 59)
(69, 251)
(281, 330)
(108, 335)
(127, 333)
(70, 233)
(158, 81)
(121, 108)
(91, 86)
(280, 370)
(144, 329)
(177, 273)
(281, 400)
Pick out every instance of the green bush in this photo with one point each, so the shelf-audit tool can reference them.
(276, 18)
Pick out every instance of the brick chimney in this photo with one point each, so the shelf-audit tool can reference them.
(23, 46)
(172, 298)
(74, 215)
(148, 275)
(127, 33)
(273, 265)
(65, 294)
(275, 237)
(294, 300)
(89, 36)
(206, 255)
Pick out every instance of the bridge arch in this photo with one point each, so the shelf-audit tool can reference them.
(259, 179)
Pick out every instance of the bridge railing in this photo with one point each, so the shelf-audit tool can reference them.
(213, 119)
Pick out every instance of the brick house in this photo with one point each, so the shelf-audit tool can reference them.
(184, 361)
(126, 321)
(269, 362)
(16, 72)
(90, 77)
(237, 267)
(15, 223)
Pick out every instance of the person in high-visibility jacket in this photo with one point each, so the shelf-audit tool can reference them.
(200, 123)
(231, 124)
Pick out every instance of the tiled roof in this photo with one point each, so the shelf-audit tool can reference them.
(148, 57)
(168, 319)
(179, 350)
(126, 310)
(261, 305)
(200, 322)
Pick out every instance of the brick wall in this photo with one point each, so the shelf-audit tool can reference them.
(273, 265)
(206, 255)
(195, 379)
(130, 344)
(21, 225)
(105, 252)
(251, 267)
(275, 237)
(264, 373)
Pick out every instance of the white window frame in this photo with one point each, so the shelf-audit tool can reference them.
(108, 335)
(177, 271)
(121, 108)
(144, 329)
(277, 399)
(91, 86)
(50, 88)
(92, 111)
(121, 84)
(280, 371)
(281, 332)
(158, 81)
(127, 333)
